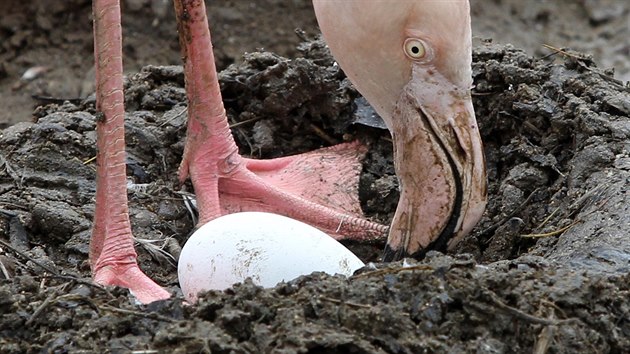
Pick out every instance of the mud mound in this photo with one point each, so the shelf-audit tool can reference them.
(546, 268)
(556, 140)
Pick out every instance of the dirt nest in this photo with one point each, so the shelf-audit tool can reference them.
(547, 268)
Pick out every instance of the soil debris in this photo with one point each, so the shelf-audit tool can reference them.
(546, 268)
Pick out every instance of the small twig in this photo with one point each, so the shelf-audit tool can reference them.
(49, 300)
(42, 283)
(618, 83)
(56, 100)
(520, 314)
(576, 206)
(339, 302)
(546, 334)
(89, 160)
(554, 306)
(79, 281)
(184, 110)
(238, 124)
(27, 257)
(544, 222)
(498, 224)
(13, 206)
(53, 299)
(580, 62)
(476, 93)
(5, 272)
(582, 200)
(552, 233)
(379, 272)
(563, 52)
(533, 128)
(53, 274)
(149, 315)
(544, 338)
(322, 135)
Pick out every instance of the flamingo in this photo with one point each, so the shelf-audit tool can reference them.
(411, 59)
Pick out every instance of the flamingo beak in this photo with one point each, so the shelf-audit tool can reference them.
(439, 161)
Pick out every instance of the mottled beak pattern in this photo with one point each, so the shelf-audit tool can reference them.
(440, 164)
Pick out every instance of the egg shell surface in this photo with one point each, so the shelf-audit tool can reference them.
(267, 247)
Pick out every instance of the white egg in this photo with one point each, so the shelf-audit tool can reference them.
(269, 248)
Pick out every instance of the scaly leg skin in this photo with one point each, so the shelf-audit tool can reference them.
(112, 255)
(296, 186)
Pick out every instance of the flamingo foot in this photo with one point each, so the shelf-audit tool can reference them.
(319, 188)
(131, 277)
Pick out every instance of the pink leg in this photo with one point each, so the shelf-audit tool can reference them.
(297, 186)
(112, 254)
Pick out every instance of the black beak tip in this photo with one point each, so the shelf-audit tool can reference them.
(393, 255)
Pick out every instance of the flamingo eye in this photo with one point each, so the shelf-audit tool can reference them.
(415, 49)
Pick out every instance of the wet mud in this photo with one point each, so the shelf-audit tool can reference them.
(546, 270)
